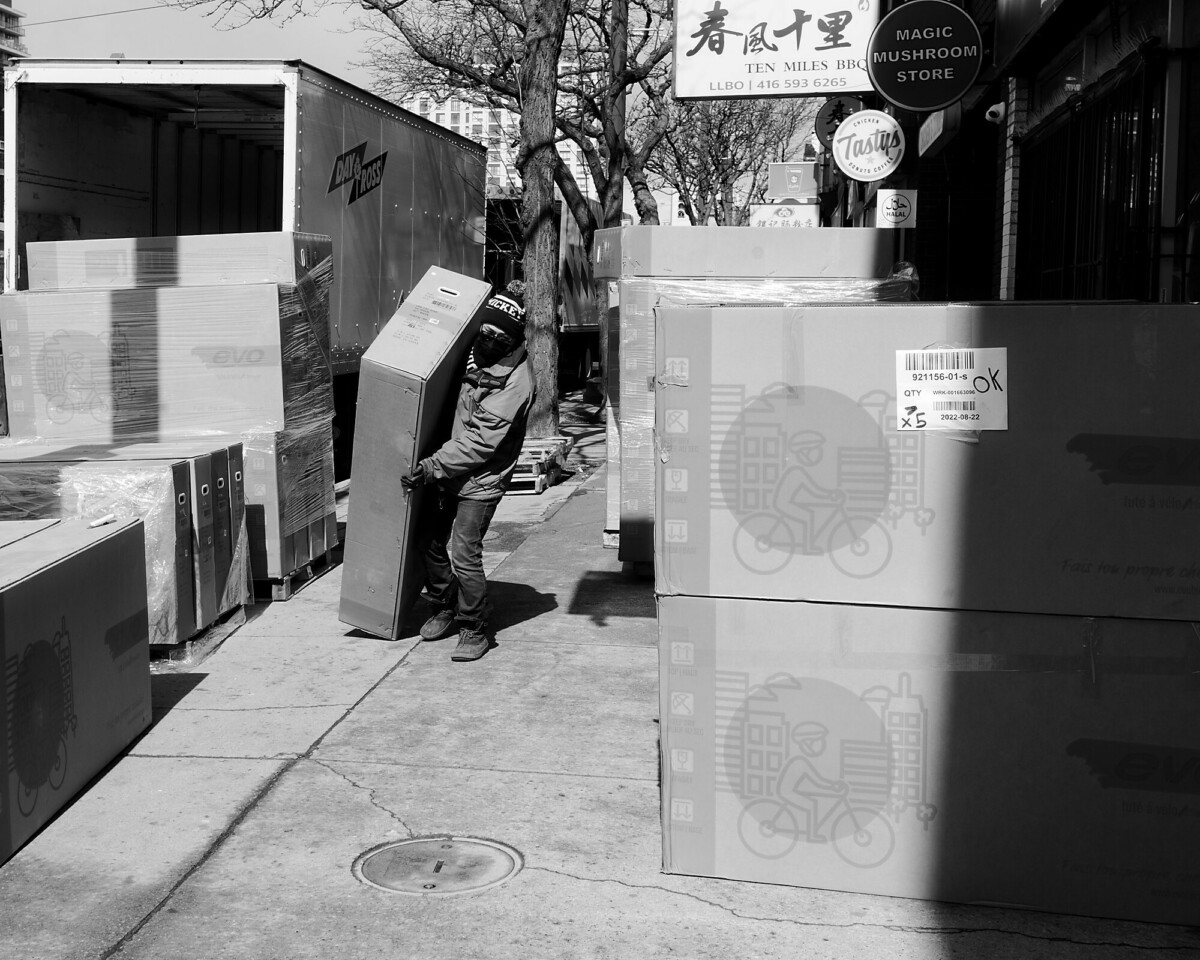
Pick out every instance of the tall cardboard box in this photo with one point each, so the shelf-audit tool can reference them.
(74, 665)
(786, 469)
(1026, 760)
(194, 260)
(288, 478)
(407, 388)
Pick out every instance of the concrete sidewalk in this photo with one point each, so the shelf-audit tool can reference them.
(231, 828)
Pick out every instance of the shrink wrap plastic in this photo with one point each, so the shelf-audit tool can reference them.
(183, 261)
(639, 297)
(125, 489)
(289, 485)
(156, 363)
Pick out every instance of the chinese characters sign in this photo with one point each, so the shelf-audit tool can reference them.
(765, 48)
(785, 215)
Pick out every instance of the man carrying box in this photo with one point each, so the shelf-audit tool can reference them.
(471, 471)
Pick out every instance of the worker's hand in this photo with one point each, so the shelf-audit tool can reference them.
(416, 478)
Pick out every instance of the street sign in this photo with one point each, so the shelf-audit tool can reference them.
(869, 145)
(924, 55)
(833, 111)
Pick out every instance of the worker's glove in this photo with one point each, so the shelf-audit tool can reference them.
(415, 478)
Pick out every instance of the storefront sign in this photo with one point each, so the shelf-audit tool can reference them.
(896, 209)
(924, 55)
(785, 215)
(939, 129)
(833, 111)
(791, 181)
(869, 145)
(771, 48)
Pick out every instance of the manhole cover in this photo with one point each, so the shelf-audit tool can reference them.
(438, 865)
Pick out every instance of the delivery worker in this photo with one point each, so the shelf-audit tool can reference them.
(471, 471)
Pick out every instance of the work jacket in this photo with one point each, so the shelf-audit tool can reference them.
(489, 429)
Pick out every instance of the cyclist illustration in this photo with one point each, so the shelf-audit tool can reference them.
(814, 808)
(802, 786)
(73, 377)
(799, 496)
(41, 715)
(807, 517)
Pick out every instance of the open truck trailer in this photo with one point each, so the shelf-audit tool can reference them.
(120, 148)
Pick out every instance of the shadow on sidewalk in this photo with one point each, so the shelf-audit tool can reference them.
(514, 603)
(168, 689)
(601, 594)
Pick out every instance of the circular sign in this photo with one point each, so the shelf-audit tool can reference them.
(869, 145)
(833, 111)
(895, 208)
(924, 55)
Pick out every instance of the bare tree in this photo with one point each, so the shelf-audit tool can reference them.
(610, 47)
(716, 153)
(565, 67)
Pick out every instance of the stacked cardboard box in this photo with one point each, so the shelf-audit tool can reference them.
(928, 579)
(406, 388)
(74, 662)
(653, 267)
(187, 493)
(225, 337)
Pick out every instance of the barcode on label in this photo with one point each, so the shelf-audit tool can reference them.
(940, 360)
(953, 405)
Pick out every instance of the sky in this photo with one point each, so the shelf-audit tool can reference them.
(148, 30)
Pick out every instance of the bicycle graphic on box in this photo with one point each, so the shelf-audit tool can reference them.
(815, 764)
(819, 474)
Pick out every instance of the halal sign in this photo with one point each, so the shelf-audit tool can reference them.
(924, 55)
(868, 145)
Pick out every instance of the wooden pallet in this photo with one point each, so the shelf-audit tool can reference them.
(285, 587)
(541, 464)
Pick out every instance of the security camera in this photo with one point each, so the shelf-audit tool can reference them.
(995, 113)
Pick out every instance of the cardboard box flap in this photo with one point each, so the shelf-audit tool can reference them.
(13, 530)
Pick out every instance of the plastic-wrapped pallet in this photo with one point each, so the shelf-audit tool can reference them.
(640, 297)
(152, 340)
(149, 491)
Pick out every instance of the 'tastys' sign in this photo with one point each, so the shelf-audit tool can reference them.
(868, 145)
(924, 55)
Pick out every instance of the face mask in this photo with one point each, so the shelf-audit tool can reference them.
(488, 350)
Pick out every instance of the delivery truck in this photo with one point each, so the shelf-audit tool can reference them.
(128, 149)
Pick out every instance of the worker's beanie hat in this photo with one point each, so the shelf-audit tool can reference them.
(506, 311)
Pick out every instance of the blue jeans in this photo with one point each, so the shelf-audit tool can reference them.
(453, 554)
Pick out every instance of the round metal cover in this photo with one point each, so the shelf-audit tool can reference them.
(438, 866)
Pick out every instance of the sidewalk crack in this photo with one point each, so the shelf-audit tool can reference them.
(371, 794)
(947, 931)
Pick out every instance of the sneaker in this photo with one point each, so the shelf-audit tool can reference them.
(440, 624)
(472, 644)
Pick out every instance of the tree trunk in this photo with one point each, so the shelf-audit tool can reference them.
(539, 89)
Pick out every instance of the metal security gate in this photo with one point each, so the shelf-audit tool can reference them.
(1090, 191)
